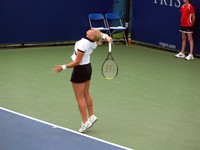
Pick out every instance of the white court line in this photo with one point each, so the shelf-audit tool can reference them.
(75, 132)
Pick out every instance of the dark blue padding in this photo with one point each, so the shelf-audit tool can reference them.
(158, 23)
(33, 21)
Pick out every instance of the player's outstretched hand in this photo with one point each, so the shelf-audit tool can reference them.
(57, 69)
(109, 39)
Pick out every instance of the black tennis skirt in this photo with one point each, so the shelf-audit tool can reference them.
(186, 29)
(81, 73)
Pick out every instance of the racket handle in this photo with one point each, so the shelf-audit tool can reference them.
(110, 44)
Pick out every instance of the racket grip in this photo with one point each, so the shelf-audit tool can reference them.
(109, 49)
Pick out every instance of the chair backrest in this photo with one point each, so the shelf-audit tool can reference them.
(113, 19)
(96, 17)
(97, 20)
(112, 16)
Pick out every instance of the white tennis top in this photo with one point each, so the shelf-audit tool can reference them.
(86, 46)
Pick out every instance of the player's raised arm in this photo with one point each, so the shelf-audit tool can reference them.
(107, 37)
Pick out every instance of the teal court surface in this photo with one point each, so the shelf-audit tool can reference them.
(153, 103)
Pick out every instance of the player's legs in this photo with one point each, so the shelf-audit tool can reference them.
(190, 39)
(88, 99)
(79, 93)
(182, 53)
(184, 39)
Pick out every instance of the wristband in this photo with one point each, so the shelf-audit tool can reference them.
(64, 67)
(104, 36)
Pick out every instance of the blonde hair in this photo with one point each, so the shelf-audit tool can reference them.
(98, 37)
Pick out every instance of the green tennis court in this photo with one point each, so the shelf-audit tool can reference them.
(153, 104)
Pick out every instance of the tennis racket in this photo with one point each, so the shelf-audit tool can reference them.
(109, 68)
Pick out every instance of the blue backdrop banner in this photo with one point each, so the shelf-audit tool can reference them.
(157, 22)
(28, 21)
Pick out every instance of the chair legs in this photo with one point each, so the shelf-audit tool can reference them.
(123, 34)
(125, 38)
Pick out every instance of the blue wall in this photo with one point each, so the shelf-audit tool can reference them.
(156, 22)
(28, 21)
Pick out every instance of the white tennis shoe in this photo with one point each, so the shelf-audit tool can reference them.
(180, 55)
(88, 124)
(85, 126)
(92, 120)
(189, 57)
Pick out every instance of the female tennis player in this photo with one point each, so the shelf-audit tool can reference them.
(81, 74)
(187, 23)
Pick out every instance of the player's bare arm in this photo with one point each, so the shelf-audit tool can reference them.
(72, 64)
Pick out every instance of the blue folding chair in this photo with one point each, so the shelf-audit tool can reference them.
(114, 23)
(97, 21)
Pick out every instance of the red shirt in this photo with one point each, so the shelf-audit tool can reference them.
(186, 18)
